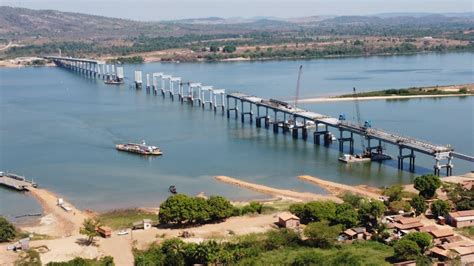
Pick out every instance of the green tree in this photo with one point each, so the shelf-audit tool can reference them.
(309, 257)
(7, 230)
(321, 234)
(353, 199)
(440, 208)
(89, 229)
(316, 211)
(422, 239)
(281, 238)
(419, 204)
(229, 49)
(214, 48)
(173, 249)
(200, 210)
(219, 208)
(370, 212)
(177, 209)
(151, 257)
(406, 250)
(400, 205)
(346, 215)
(427, 185)
(394, 193)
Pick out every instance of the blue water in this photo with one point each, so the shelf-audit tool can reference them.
(60, 128)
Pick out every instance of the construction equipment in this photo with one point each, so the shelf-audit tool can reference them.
(297, 96)
(365, 152)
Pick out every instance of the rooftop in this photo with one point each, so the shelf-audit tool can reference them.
(287, 216)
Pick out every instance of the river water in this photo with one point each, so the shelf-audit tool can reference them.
(60, 128)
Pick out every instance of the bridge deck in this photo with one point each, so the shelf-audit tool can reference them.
(85, 60)
(380, 134)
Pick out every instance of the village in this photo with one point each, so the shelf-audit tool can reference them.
(66, 233)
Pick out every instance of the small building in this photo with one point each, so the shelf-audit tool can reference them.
(104, 231)
(404, 224)
(288, 220)
(462, 249)
(461, 219)
(144, 224)
(356, 233)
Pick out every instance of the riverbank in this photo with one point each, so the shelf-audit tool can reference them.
(461, 90)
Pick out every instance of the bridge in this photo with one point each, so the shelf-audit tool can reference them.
(285, 116)
(89, 67)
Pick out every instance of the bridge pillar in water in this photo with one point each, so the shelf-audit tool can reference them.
(410, 156)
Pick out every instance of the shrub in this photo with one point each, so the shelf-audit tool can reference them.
(419, 204)
(406, 250)
(440, 208)
(7, 230)
(321, 234)
(427, 185)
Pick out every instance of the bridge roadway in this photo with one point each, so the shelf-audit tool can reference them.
(439, 152)
(89, 67)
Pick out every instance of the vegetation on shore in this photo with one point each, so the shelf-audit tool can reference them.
(127, 60)
(414, 91)
(104, 261)
(7, 231)
(120, 219)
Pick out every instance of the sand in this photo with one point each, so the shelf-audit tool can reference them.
(56, 222)
(289, 194)
(338, 189)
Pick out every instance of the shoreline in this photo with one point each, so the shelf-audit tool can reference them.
(371, 98)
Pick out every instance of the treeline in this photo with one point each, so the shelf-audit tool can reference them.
(181, 209)
(276, 247)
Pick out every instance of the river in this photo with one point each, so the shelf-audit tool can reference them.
(60, 128)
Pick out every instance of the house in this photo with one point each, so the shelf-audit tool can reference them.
(405, 224)
(144, 224)
(461, 219)
(288, 220)
(356, 233)
(104, 231)
(462, 249)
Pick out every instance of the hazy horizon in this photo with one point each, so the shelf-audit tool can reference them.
(149, 10)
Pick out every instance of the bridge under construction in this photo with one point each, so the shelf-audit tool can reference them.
(278, 115)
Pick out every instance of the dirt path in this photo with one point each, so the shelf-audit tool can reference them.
(337, 189)
(294, 195)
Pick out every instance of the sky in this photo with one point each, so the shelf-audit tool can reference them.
(155, 10)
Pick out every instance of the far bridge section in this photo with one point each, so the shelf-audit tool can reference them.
(89, 67)
(278, 114)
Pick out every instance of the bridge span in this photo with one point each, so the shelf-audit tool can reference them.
(89, 67)
(285, 116)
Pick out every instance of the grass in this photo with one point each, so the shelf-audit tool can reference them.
(363, 253)
(30, 257)
(281, 205)
(466, 231)
(121, 219)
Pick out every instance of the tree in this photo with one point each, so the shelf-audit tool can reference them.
(422, 239)
(427, 185)
(370, 212)
(89, 229)
(176, 209)
(229, 49)
(321, 234)
(316, 211)
(353, 199)
(281, 238)
(419, 204)
(406, 250)
(214, 48)
(394, 193)
(7, 230)
(309, 257)
(440, 208)
(200, 210)
(346, 215)
(401, 205)
(219, 208)
(173, 249)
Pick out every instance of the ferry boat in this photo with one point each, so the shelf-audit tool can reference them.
(139, 148)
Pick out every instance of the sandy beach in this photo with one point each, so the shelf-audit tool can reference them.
(289, 194)
(338, 189)
(447, 89)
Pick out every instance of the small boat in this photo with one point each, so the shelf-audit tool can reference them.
(172, 189)
(142, 149)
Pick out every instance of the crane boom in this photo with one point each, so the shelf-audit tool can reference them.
(359, 122)
(297, 96)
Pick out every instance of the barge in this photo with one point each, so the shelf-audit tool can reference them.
(142, 149)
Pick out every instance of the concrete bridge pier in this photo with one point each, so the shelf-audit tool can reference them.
(249, 113)
(325, 133)
(343, 139)
(220, 104)
(235, 109)
(410, 156)
(448, 165)
(148, 88)
(138, 80)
